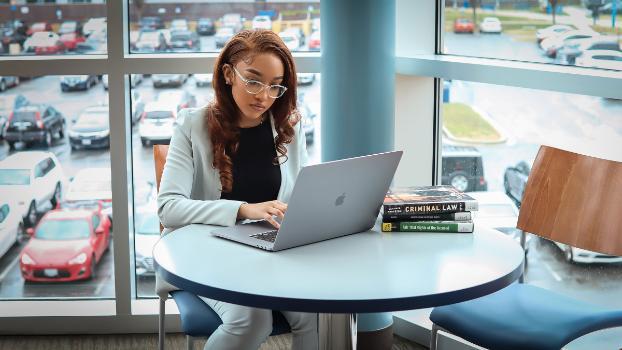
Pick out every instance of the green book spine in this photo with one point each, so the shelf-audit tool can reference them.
(427, 226)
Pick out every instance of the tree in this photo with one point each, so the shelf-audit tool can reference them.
(553, 4)
(474, 4)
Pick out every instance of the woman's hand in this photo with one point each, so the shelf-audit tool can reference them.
(263, 210)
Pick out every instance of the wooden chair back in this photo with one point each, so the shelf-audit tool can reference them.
(574, 199)
(159, 158)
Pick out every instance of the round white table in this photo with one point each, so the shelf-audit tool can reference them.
(364, 272)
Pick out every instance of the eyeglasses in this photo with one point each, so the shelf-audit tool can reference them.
(254, 87)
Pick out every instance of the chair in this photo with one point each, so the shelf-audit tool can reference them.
(569, 198)
(197, 318)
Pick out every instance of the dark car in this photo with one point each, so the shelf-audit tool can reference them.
(463, 168)
(182, 40)
(34, 123)
(91, 129)
(77, 82)
(8, 103)
(515, 180)
(205, 26)
(151, 23)
(7, 82)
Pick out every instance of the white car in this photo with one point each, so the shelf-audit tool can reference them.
(33, 179)
(552, 31)
(157, 122)
(262, 22)
(146, 234)
(203, 79)
(578, 255)
(11, 225)
(96, 24)
(290, 39)
(498, 211)
(552, 44)
(490, 25)
(605, 59)
(305, 78)
(90, 188)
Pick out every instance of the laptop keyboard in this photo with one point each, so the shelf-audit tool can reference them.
(268, 236)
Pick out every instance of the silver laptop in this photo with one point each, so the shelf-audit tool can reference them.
(329, 200)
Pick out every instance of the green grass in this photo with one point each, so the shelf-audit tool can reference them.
(464, 123)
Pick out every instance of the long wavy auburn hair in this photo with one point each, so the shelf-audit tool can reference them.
(222, 115)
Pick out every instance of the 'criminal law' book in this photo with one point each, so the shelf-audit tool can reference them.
(427, 200)
(428, 226)
(459, 216)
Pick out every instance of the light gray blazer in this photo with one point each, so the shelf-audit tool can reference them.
(190, 187)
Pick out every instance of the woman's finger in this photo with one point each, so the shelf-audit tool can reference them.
(271, 220)
(277, 212)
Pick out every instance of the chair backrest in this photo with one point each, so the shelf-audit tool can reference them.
(574, 199)
(159, 158)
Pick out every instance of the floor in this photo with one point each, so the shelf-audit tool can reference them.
(141, 341)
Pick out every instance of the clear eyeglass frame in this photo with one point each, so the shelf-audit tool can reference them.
(254, 87)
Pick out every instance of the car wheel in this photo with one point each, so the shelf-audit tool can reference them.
(56, 196)
(460, 182)
(31, 216)
(568, 254)
(2, 86)
(93, 268)
(11, 145)
(48, 139)
(145, 142)
(61, 132)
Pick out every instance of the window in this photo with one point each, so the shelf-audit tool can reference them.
(529, 31)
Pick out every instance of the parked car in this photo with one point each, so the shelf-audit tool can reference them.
(463, 25)
(179, 98)
(160, 80)
(604, 59)
(299, 33)
(157, 122)
(498, 211)
(223, 34)
(96, 43)
(9, 103)
(315, 41)
(77, 82)
(65, 246)
(91, 129)
(578, 255)
(552, 44)
(70, 27)
(552, 31)
(34, 123)
(203, 79)
(308, 120)
(179, 24)
(291, 40)
(135, 80)
(184, 40)
(33, 180)
(151, 23)
(151, 41)
(462, 167)
(138, 106)
(205, 26)
(305, 78)
(232, 20)
(39, 27)
(71, 40)
(490, 25)
(11, 225)
(93, 25)
(515, 180)
(574, 48)
(262, 22)
(147, 233)
(8, 81)
(44, 43)
(90, 188)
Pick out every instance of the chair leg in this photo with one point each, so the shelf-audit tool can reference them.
(433, 336)
(161, 330)
(189, 342)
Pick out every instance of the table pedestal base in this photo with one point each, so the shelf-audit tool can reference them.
(337, 331)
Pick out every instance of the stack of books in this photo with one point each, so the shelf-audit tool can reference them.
(428, 209)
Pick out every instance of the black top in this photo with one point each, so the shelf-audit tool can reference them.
(255, 177)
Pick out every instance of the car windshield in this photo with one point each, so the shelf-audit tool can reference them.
(63, 229)
(14, 177)
(495, 210)
(149, 225)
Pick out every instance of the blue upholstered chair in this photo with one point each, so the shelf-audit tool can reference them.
(197, 318)
(569, 198)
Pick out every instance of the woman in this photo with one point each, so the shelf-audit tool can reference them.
(237, 159)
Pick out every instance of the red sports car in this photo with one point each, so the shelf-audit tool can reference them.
(65, 246)
(463, 25)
